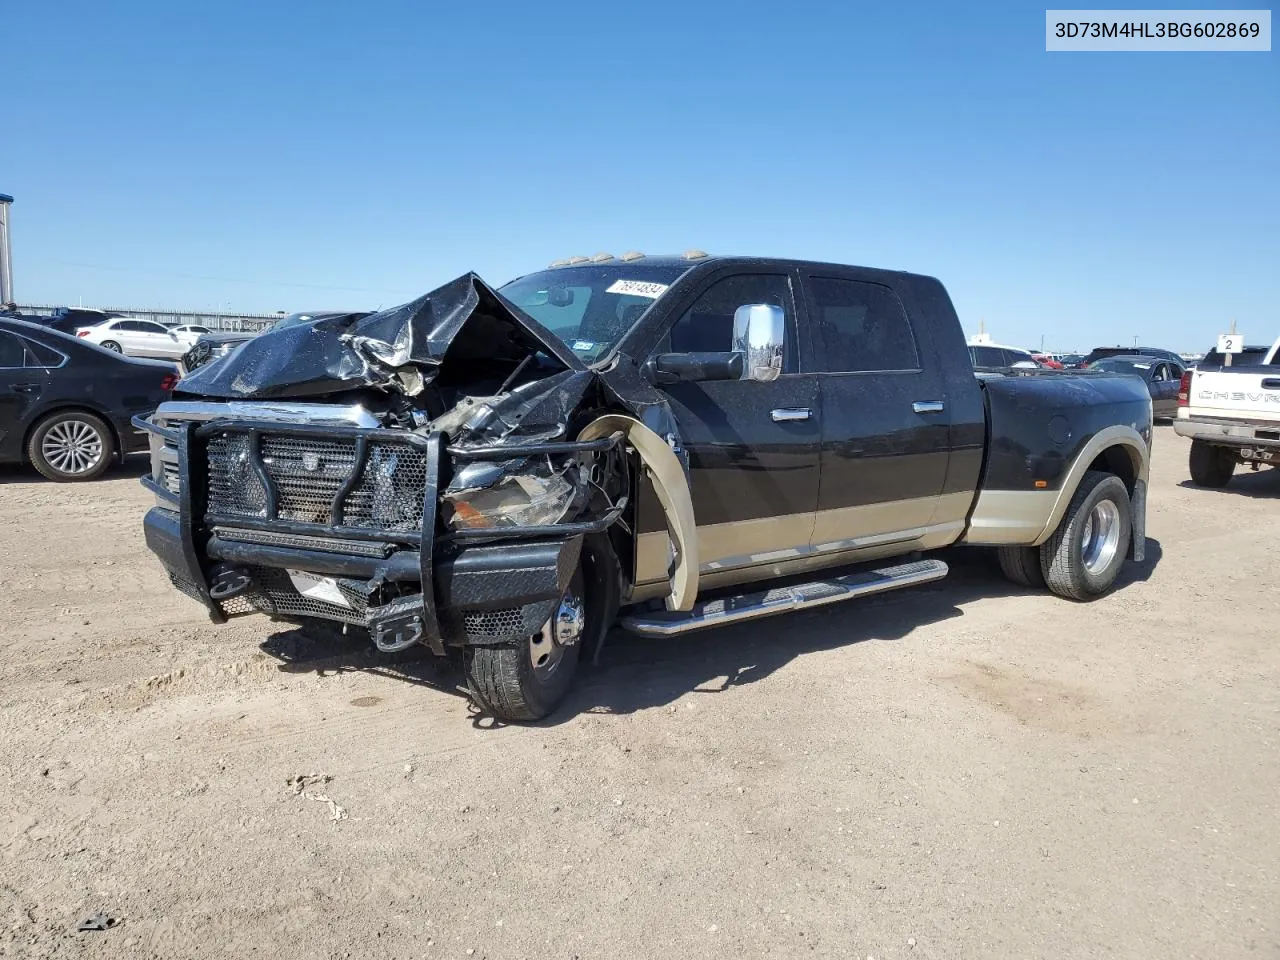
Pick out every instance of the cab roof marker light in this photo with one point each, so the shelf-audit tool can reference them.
(632, 255)
(558, 263)
(602, 257)
(573, 260)
(695, 254)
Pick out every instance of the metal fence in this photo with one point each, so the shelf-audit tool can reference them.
(212, 320)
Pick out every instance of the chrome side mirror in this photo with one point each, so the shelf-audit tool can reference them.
(758, 333)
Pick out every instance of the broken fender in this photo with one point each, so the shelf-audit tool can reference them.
(672, 487)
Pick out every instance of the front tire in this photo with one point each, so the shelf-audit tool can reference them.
(1211, 466)
(1083, 557)
(71, 446)
(526, 681)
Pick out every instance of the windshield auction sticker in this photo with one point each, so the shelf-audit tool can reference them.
(638, 288)
(1140, 31)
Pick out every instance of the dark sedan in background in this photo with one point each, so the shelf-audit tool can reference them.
(1160, 375)
(65, 405)
(1146, 353)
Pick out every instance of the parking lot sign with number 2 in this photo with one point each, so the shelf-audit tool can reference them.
(1231, 343)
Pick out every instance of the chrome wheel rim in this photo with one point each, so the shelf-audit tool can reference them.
(1101, 538)
(72, 447)
(114, 347)
(561, 631)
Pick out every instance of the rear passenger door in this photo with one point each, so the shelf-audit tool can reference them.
(885, 425)
(20, 389)
(155, 339)
(129, 335)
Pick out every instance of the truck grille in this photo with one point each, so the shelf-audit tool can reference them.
(316, 480)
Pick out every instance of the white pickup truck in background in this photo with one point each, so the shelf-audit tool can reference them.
(1232, 415)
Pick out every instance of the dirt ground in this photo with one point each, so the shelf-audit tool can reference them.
(968, 770)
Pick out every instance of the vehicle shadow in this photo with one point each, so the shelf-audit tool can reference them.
(322, 649)
(1263, 484)
(636, 673)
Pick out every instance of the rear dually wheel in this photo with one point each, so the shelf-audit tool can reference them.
(1083, 557)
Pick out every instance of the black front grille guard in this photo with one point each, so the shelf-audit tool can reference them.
(192, 497)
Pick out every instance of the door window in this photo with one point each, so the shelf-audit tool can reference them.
(861, 327)
(12, 352)
(989, 357)
(38, 355)
(708, 324)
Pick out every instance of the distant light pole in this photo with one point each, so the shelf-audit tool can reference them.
(6, 265)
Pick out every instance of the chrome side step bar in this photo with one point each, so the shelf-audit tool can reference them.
(715, 613)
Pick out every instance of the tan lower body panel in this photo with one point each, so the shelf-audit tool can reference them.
(1010, 516)
(848, 535)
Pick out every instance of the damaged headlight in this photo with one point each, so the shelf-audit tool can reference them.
(525, 492)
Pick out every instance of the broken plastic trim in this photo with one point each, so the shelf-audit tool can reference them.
(672, 488)
(511, 451)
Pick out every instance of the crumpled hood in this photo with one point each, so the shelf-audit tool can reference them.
(400, 349)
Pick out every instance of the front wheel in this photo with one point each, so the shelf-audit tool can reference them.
(1083, 557)
(527, 680)
(1211, 466)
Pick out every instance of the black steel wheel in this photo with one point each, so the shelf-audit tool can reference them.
(527, 680)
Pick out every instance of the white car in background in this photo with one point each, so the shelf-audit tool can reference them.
(189, 333)
(136, 338)
(988, 357)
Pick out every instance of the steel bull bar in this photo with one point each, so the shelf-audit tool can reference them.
(211, 555)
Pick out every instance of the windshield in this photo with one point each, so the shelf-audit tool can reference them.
(591, 307)
(1121, 366)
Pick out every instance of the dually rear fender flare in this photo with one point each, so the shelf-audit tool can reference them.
(1127, 441)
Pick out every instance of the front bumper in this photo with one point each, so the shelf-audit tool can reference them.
(483, 594)
(408, 581)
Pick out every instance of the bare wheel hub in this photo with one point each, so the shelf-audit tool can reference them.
(72, 446)
(1101, 537)
(562, 630)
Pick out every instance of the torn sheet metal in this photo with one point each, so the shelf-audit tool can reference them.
(671, 484)
(539, 410)
(509, 379)
(399, 350)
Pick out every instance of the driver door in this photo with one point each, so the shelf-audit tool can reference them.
(753, 447)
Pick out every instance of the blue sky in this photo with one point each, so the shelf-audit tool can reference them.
(306, 156)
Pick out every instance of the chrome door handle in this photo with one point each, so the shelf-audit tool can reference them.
(928, 406)
(791, 414)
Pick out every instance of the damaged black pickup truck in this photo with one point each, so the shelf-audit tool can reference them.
(675, 442)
